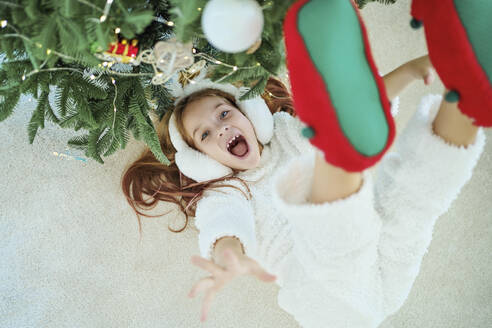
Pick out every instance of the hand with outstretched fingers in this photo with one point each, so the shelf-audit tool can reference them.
(235, 266)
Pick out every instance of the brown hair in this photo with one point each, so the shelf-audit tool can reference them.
(148, 176)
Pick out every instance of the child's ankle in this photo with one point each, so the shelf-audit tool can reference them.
(453, 126)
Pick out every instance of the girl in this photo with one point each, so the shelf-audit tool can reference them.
(344, 250)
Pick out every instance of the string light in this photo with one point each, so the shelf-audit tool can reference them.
(93, 76)
(234, 68)
(107, 7)
(193, 50)
(114, 103)
(170, 23)
(117, 30)
(3, 23)
(23, 77)
(48, 51)
(199, 9)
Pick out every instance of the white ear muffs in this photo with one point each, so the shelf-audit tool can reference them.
(201, 167)
(257, 111)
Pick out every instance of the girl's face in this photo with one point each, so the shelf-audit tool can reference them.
(221, 131)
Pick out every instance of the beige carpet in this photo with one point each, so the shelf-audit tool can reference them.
(70, 255)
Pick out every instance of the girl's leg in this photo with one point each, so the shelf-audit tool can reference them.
(453, 126)
(331, 183)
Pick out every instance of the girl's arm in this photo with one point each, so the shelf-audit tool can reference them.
(397, 80)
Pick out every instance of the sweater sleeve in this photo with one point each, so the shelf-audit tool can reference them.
(413, 187)
(223, 213)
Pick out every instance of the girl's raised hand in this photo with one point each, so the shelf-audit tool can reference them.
(422, 68)
(235, 266)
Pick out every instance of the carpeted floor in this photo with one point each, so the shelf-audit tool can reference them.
(70, 253)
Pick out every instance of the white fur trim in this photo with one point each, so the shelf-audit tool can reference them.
(395, 106)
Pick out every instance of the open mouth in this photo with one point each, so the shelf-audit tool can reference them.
(238, 146)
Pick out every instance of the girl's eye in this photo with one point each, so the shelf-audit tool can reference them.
(222, 114)
(204, 135)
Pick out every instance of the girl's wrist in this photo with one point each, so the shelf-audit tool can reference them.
(227, 242)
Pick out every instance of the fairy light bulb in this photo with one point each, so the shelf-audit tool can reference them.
(193, 50)
(93, 77)
(170, 23)
(103, 18)
(23, 77)
(117, 30)
(3, 23)
(234, 68)
(113, 81)
(48, 51)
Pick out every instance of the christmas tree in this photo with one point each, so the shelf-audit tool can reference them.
(108, 61)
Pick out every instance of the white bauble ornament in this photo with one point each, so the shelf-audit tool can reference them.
(232, 25)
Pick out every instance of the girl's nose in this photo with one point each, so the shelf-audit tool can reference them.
(222, 132)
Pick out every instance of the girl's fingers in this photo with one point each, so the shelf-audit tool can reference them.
(201, 285)
(207, 265)
(207, 302)
(429, 77)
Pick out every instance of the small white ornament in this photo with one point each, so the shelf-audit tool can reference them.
(167, 58)
(232, 25)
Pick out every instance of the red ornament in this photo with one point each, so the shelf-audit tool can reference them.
(122, 50)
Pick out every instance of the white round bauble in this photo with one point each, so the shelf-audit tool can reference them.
(232, 25)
